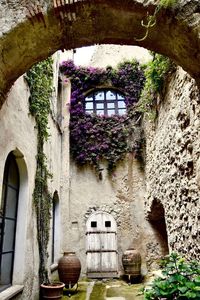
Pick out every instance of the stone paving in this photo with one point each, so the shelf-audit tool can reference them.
(105, 290)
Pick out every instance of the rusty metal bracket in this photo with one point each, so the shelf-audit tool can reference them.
(65, 9)
(100, 232)
(35, 13)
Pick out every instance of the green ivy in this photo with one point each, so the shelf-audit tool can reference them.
(180, 280)
(167, 3)
(155, 73)
(39, 79)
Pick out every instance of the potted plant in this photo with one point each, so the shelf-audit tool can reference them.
(52, 290)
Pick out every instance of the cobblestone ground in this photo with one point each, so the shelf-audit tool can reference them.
(105, 290)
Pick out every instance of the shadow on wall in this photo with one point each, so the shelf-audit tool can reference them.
(156, 217)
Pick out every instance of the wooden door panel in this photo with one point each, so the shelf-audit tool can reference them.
(108, 261)
(93, 261)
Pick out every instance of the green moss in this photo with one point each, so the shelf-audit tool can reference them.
(102, 290)
(98, 292)
(80, 294)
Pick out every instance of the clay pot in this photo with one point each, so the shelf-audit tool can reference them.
(52, 290)
(69, 268)
(131, 260)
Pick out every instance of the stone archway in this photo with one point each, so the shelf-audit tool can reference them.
(24, 41)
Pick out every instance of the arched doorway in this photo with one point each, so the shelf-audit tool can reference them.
(156, 217)
(101, 246)
(8, 220)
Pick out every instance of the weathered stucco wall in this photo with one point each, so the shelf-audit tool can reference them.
(173, 163)
(19, 134)
(111, 55)
(120, 195)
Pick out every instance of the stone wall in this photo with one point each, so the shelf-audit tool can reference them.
(173, 164)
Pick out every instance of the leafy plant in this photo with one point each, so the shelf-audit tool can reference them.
(167, 3)
(181, 280)
(155, 73)
(39, 79)
(94, 138)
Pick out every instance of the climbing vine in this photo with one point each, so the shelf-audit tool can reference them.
(39, 79)
(155, 73)
(151, 19)
(94, 138)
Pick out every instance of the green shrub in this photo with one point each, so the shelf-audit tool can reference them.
(181, 280)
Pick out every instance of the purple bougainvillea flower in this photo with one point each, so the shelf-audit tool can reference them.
(95, 137)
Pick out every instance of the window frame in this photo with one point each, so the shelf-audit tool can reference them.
(7, 185)
(105, 101)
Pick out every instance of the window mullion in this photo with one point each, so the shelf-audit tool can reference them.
(105, 104)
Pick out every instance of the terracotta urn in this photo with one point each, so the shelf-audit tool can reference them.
(131, 260)
(69, 268)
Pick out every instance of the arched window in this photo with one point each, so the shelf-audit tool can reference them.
(105, 102)
(8, 220)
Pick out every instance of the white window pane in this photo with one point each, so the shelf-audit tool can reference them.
(100, 112)
(89, 105)
(111, 112)
(110, 95)
(110, 105)
(99, 96)
(120, 97)
(121, 104)
(89, 98)
(100, 105)
(122, 111)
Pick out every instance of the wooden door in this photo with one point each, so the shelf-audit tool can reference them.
(101, 246)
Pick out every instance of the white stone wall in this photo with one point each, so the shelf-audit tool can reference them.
(172, 163)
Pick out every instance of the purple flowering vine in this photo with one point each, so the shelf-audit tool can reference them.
(94, 138)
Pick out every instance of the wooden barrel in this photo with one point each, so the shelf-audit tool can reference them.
(52, 291)
(69, 268)
(131, 260)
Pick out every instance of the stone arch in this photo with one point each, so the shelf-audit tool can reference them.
(156, 217)
(26, 41)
